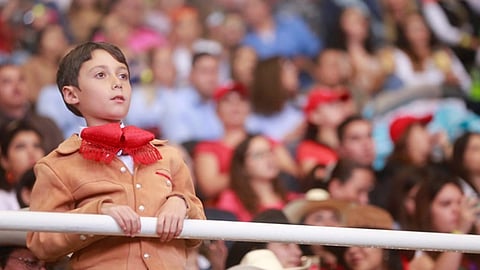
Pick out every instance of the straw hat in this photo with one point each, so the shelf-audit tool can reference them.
(314, 199)
(264, 259)
(367, 216)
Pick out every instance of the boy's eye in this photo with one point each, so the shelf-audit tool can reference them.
(123, 76)
(100, 75)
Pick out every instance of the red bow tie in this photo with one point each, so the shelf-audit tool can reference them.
(102, 143)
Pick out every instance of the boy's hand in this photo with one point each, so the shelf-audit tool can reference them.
(170, 219)
(125, 217)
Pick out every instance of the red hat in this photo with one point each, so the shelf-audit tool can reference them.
(400, 125)
(324, 95)
(221, 91)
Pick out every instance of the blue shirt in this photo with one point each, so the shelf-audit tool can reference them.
(50, 104)
(292, 37)
(189, 117)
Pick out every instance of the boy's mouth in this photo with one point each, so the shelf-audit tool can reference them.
(118, 98)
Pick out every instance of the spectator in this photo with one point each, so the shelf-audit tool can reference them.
(401, 197)
(422, 61)
(356, 257)
(280, 35)
(350, 181)
(270, 255)
(14, 105)
(212, 158)
(332, 70)
(289, 36)
(317, 209)
(84, 17)
(20, 149)
(150, 99)
(254, 180)
(413, 146)
(242, 65)
(464, 161)
(394, 14)
(354, 36)
(273, 92)
(186, 30)
(440, 206)
(191, 115)
(325, 109)
(41, 68)
(456, 24)
(355, 140)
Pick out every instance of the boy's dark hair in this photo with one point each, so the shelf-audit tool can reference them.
(70, 65)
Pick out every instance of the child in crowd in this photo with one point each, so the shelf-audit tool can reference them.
(114, 170)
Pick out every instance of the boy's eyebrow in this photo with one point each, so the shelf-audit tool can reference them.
(122, 67)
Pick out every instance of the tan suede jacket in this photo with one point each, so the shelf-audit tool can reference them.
(66, 182)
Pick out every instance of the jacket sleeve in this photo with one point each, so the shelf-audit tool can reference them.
(50, 194)
(183, 186)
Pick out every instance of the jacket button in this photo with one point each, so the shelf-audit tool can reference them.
(138, 186)
(169, 183)
(146, 255)
(123, 169)
(141, 207)
(83, 237)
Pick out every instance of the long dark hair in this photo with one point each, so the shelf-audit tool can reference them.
(438, 176)
(268, 95)
(458, 157)
(240, 180)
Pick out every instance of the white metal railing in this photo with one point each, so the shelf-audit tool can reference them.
(22, 221)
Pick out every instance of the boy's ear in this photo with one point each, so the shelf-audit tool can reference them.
(70, 95)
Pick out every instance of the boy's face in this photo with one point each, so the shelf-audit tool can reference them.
(103, 95)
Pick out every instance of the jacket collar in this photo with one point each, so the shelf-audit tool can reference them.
(72, 144)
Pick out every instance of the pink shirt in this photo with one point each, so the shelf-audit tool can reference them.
(229, 201)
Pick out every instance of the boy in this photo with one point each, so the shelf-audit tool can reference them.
(114, 170)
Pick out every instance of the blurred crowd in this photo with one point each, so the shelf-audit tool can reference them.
(356, 113)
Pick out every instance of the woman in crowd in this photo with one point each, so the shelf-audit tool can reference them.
(272, 94)
(254, 180)
(20, 148)
(355, 37)
(421, 60)
(465, 162)
(440, 206)
(413, 146)
(325, 109)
